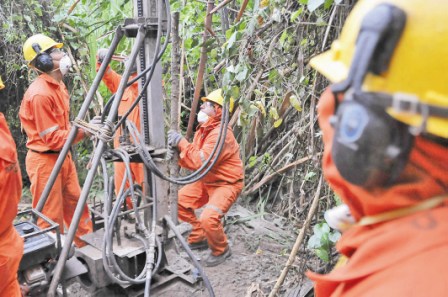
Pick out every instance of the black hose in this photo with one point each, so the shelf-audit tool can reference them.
(208, 285)
(198, 174)
(109, 261)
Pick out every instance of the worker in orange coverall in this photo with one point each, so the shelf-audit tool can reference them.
(112, 81)
(219, 188)
(11, 244)
(44, 114)
(385, 131)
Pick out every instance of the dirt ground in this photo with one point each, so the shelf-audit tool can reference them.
(260, 248)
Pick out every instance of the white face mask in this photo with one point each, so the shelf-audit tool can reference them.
(64, 64)
(202, 117)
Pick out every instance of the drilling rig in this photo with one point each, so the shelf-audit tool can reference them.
(130, 249)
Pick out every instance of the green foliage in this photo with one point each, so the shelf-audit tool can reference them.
(323, 240)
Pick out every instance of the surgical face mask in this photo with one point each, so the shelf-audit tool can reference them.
(64, 64)
(202, 117)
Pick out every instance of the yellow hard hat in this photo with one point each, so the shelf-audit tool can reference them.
(36, 44)
(2, 86)
(417, 65)
(216, 96)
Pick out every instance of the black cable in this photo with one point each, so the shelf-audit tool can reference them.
(207, 283)
(198, 174)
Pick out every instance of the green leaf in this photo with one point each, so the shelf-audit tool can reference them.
(231, 40)
(277, 123)
(252, 161)
(328, 4)
(229, 32)
(324, 240)
(242, 74)
(227, 78)
(283, 37)
(309, 175)
(322, 254)
(314, 4)
(314, 242)
(273, 75)
(296, 14)
(334, 237)
(231, 68)
(235, 92)
(295, 103)
(253, 110)
(273, 113)
(214, 53)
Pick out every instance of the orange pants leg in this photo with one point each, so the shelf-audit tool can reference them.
(119, 174)
(39, 167)
(11, 251)
(221, 199)
(191, 197)
(64, 195)
(71, 192)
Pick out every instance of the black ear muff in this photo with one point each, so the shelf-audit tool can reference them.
(43, 60)
(370, 148)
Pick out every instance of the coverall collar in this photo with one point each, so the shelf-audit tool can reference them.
(48, 78)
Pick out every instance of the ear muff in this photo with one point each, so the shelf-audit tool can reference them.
(43, 60)
(370, 148)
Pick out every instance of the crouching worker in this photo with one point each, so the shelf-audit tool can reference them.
(385, 131)
(44, 114)
(219, 188)
(11, 244)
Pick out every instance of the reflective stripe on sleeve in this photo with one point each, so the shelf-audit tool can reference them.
(49, 130)
(201, 155)
(215, 208)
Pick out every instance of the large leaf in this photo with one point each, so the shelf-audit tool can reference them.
(314, 4)
(231, 40)
(242, 73)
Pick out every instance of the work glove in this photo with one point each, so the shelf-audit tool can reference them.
(174, 138)
(169, 153)
(101, 54)
(96, 121)
(94, 125)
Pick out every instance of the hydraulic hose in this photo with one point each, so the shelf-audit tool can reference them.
(109, 262)
(198, 174)
(190, 254)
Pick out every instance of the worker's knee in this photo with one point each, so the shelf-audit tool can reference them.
(210, 218)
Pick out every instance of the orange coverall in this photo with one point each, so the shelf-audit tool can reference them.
(406, 256)
(44, 114)
(11, 244)
(219, 188)
(112, 81)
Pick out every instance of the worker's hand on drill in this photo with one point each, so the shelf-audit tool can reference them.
(96, 121)
(174, 138)
(101, 54)
(95, 124)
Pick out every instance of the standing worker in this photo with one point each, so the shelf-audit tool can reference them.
(44, 114)
(385, 131)
(112, 81)
(11, 244)
(219, 188)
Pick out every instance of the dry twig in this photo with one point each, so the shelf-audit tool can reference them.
(299, 240)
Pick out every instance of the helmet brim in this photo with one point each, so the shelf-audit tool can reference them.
(325, 64)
